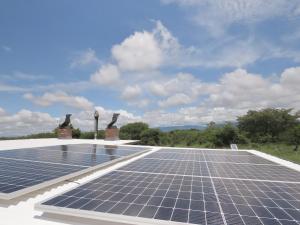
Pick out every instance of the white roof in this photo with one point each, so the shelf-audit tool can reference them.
(21, 210)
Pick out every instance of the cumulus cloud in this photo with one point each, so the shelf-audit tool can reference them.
(25, 122)
(138, 52)
(232, 95)
(131, 92)
(175, 100)
(48, 99)
(85, 119)
(85, 58)
(241, 89)
(107, 75)
(28, 122)
(218, 15)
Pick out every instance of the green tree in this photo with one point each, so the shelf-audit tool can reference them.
(293, 136)
(133, 131)
(266, 125)
(151, 137)
(76, 133)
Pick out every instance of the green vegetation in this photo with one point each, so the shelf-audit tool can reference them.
(273, 131)
(280, 150)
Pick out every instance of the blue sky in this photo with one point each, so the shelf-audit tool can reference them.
(168, 62)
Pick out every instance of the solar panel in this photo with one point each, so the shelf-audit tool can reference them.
(165, 186)
(164, 197)
(238, 157)
(26, 170)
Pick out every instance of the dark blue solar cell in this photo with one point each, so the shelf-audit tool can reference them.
(197, 205)
(79, 203)
(66, 201)
(197, 217)
(92, 204)
(233, 219)
(214, 218)
(279, 213)
(294, 213)
(180, 215)
(229, 208)
(142, 199)
(148, 211)
(267, 221)
(245, 210)
(251, 220)
(105, 206)
(262, 212)
(156, 201)
(129, 198)
(182, 204)
(133, 210)
(168, 202)
(163, 213)
(119, 208)
(212, 207)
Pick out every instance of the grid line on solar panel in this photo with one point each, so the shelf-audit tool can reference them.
(33, 168)
(163, 197)
(221, 170)
(181, 198)
(65, 155)
(264, 200)
(225, 200)
(15, 174)
(238, 159)
(217, 197)
(204, 151)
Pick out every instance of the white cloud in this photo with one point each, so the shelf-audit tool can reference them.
(107, 75)
(175, 100)
(232, 95)
(217, 15)
(242, 90)
(181, 89)
(138, 52)
(48, 99)
(25, 122)
(11, 88)
(158, 89)
(85, 58)
(85, 119)
(290, 78)
(131, 92)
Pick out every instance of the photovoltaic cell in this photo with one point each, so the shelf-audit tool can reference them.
(214, 169)
(22, 169)
(198, 187)
(164, 197)
(16, 174)
(204, 156)
(268, 201)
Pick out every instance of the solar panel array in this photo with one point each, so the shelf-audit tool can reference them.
(22, 169)
(191, 186)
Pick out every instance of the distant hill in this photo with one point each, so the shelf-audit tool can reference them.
(183, 127)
